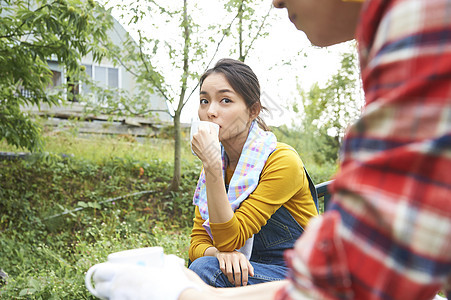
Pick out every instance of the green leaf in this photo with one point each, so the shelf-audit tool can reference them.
(26, 291)
(34, 284)
(82, 204)
(94, 205)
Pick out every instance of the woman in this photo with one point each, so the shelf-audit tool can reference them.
(260, 197)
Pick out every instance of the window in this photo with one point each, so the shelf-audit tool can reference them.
(85, 87)
(100, 75)
(56, 78)
(26, 93)
(73, 90)
(105, 76)
(113, 77)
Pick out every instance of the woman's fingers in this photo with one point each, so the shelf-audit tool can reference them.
(222, 264)
(242, 280)
(230, 271)
(237, 272)
(225, 265)
(251, 269)
(205, 144)
(236, 267)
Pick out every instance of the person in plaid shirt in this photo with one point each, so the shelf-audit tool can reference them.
(387, 232)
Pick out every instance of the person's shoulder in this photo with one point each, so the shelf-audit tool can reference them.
(285, 149)
(283, 146)
(284, 153)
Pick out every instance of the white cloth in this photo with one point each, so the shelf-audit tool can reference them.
(123, 281)
(247, 248)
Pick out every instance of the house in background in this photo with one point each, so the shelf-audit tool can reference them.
(108, 75)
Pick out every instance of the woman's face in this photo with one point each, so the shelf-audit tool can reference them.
(325, 22)
(220, 104)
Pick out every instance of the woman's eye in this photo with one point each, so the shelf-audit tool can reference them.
(203, 101)
(225, 100)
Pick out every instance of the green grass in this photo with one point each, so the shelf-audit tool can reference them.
(98, 148)
(58, 218)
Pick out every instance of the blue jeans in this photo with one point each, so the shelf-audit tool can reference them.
(207, 267)
(280, 233)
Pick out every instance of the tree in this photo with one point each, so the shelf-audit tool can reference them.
(327, 111)
(156, 60)
(31, 33)
(184, 51)
(250, 26)
(322, 117)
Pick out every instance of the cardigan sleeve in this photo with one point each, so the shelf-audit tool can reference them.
(200, 240)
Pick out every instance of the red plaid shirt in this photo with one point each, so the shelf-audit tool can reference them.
(387, 234)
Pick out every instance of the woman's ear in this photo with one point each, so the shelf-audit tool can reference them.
(255, 110)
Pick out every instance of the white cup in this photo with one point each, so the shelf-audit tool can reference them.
(195, 128)
(145, 257)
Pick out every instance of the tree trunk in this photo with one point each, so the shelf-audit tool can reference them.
(175, 184)
(240, 32)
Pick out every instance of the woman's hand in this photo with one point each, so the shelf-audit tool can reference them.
(235, 266)
(205, 144)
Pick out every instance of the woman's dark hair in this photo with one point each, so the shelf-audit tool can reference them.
(243, 80)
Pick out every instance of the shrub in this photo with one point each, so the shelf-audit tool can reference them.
(60, 215)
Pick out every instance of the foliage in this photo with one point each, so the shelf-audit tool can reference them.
(327, 111)
(171, 64)
(306, 147)
(337, 104)
(60, 215)
(31, 33)
(250, 26)
(176, 54)
(322, 118)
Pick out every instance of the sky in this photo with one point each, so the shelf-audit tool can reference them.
(282, 60)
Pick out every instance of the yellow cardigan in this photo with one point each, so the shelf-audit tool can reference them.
(282, 182)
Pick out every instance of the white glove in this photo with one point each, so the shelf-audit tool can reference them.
(122, 281)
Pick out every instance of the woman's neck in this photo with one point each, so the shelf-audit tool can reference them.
(233, 151)
(234, 146)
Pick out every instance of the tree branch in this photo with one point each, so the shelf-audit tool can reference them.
(185, 57)
(240, 32)
(258, 32)
(143, 60)
(14, 33)
(214, 55)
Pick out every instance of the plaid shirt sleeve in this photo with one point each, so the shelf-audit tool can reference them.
(387, 234)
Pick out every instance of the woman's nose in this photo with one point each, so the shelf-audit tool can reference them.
(212, 111)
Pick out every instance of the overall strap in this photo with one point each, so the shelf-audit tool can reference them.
(311, 185)
(312, 188)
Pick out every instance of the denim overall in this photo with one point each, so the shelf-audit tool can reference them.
(279, 234)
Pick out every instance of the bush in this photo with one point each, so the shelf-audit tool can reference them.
(60, 215)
